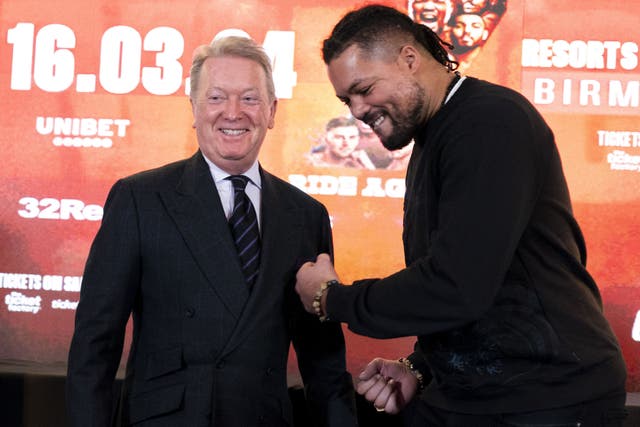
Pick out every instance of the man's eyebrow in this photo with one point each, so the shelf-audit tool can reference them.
(353, 85)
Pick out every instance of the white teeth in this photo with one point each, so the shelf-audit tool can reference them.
(378, 121)
(233, 132)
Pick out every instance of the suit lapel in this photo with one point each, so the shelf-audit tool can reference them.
(197, 211)
(281, 224)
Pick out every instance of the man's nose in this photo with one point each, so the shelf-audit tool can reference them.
(358, 109)
(232, 108)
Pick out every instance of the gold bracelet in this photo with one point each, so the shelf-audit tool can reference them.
(317, 299)
(407, 363)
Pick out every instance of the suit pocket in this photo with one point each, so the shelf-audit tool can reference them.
(157, 402)
(163, 362)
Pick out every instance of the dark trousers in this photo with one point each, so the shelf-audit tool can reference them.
(606, 412)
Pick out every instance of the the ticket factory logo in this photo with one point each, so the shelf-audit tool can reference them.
(82, 132)
(17, 302)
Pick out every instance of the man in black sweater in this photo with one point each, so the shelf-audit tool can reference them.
(509, 323)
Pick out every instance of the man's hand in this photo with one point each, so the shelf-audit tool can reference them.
(388, 384)
(309, 278)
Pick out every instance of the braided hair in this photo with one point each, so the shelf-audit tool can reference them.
(374, 27)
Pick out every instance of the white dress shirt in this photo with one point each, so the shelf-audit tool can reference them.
(225, 187)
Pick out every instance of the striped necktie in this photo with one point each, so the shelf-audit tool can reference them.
(244, 228)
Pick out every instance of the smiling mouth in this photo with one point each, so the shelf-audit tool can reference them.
(377, 122)
(233, 132)
(429, 16)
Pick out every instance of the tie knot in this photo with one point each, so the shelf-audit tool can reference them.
(239, 182)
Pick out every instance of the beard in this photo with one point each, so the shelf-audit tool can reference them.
(462, 49)
(404, 124)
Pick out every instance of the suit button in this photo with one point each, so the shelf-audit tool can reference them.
(269, 371)
(220, 364)
(189, 312)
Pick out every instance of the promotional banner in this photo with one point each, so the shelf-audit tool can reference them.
(97, 90)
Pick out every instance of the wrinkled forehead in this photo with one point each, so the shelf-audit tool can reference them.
(233, 70)
(349, 69)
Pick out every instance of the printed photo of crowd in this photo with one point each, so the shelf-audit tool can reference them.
(465, 24)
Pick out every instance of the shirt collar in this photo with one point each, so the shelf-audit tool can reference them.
(253, 173)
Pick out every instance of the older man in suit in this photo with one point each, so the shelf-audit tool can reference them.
(211, 327)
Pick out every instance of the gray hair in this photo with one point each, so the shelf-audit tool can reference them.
(236, 46)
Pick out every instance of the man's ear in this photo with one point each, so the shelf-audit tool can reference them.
(272, 114)
(193, 110)
(409, 58)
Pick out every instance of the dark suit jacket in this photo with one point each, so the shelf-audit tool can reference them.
(205, 350)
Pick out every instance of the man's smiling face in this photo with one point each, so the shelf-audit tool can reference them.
(382, 93)
(232, 112)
